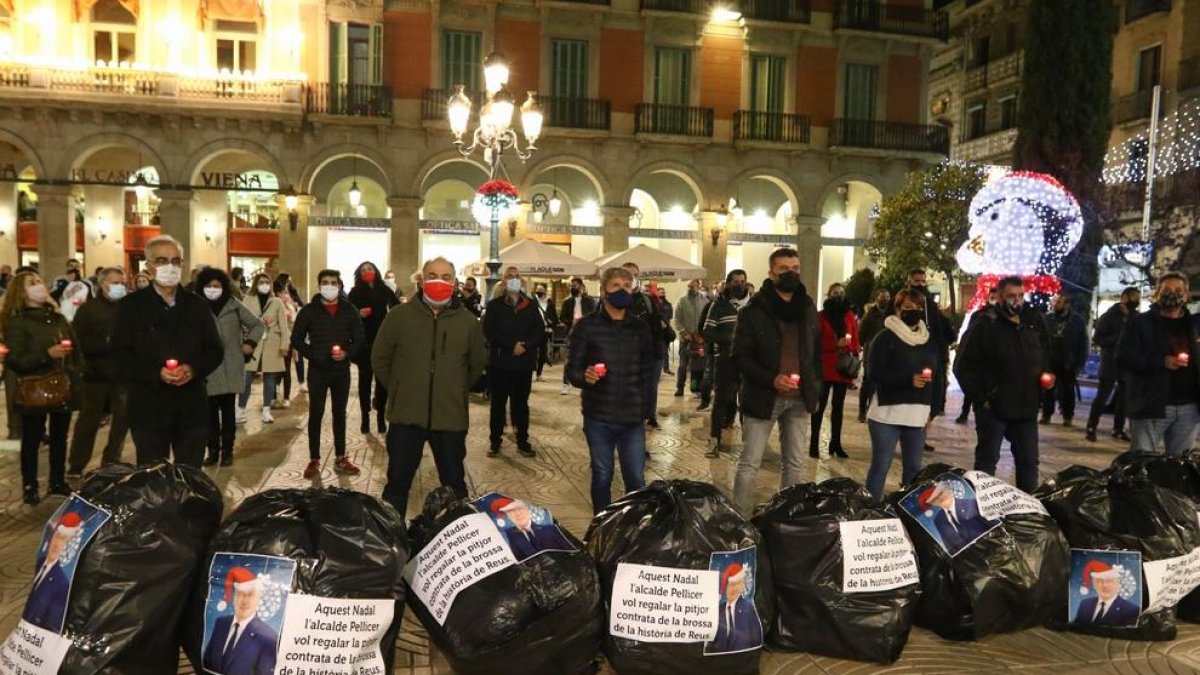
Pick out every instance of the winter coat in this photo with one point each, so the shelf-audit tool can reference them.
(1000, 363)
(567, 315)
(146, 333)
(93, 331)
(720, 323)
(549, 314)
(429, 362)
(505, 325)
(1068, 341)
(871, 325)
(316, 332)
(893, 363)
(646, 309)
(378, 299)
(473, 303)
(1141, 355)
(627, 351)
(687, 313)
(29, 336)
(830, 351)
(756, 350)
(1109, 328)
(277, 338)
(237, 326)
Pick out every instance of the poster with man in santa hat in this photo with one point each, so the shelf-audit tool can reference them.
(243, 614)
(949, 512)
(739, 628)
(66, 534)
(528, 529)
(1105, 587)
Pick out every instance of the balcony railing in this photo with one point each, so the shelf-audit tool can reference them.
(340, 98)
(994, 147)
(679, 120)
(576, 113)
(784, 11)
(1136, 9)
(1134, 107)
(89, 80)
(871, 15)
(433, 104)
(996, 71)
(1189, 73)
(754, 125)
(688, 6)
(889, 136)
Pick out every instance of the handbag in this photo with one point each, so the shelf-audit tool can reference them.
(848, 364)
(45, 392)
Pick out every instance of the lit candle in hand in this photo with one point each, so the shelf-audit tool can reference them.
(1183, 358)
(794, 378)
(172, 364)
(927, 373)
(600, 369)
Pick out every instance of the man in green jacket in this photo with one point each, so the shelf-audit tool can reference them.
(431, 350)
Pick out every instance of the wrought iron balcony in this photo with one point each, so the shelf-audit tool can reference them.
(871, 15)
(997, 71)
(784, 11)
(754, 125)
(576, 113)
(1136, 106)
(932, 138)
(1136, 9)
(678, 120)
(355, 100)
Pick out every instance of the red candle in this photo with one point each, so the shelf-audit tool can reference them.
(337, 349)
(847, 337)
(1047, 380)
(1183, 358)
(927, 373)
(600, 369)
(367, 311)
(3, 349)
(700, 351)
(794, 378)
(66, 344)
(172, 364)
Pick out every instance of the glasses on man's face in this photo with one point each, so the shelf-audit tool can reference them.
(163, 262)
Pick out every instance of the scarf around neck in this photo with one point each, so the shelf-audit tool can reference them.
(910, 337)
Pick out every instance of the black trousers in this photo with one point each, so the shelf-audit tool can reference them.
(33, 427)
(98, 397)
(406, 445)
(222, 427)
(510, 388)
(725, 388)
(287, 377)
(1104, 391)
(1063, 392)
(865, 392)
(838, 389)
(184, 442)
(366, 374)
(334, 384)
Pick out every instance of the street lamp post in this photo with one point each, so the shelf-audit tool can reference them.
(494, 135)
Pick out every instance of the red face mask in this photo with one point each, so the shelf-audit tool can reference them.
(437, 292)
(368, 276)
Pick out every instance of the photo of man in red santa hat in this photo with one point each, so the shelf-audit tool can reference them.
(1102, 602)
(947, 510)
(241, 643)
(47, 603)
(525, 536)
(738, 626)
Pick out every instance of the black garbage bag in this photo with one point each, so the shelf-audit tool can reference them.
(845, 573)
(686, 581)
(991, 559)
(502, 588)
(113, 572)
(1129, 538)
(310, 579)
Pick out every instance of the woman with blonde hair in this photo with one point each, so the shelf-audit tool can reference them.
(40, 342)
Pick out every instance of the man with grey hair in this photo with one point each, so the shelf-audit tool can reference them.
(431, 349)
(164, 343)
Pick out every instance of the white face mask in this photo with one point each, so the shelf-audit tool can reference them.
(116, 291)
(213, 293)
(329, 292)
(37, 293)
(390, 282)
(168, 275)
(264, 288)
(513, 285)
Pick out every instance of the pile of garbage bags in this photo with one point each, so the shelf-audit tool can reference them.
(844, 571)
(502, 588)
(687, 584)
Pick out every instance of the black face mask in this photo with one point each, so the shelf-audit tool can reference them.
(736, 291)
(540, 294)
(1171, 300)
(788, 282)
(574, 291)
(912, 317)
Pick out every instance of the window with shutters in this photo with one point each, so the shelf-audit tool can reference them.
(767, 76)
(861, 91)
(569, 68)
(672, 73)
(462, 62)
(114, 32)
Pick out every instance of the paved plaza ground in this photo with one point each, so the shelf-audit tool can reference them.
(274, 456)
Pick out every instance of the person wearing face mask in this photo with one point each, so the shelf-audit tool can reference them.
(687, 320)
(241, 334)
(432, 349)
(328, 333)
(389, 280)
(1068, 354)
(34, 330)
(166, 344)
(777, 351)
(141, 280)
(1003, 364)
(993, 299)
(574, 308)
(872, 325)
(549, 319)
(270, 354)
(718, 332)
(514, 330)
(1159, 354)
(645, 307)
(667, 311)
(839, 333)
(286, 291)
(102, 387)
(941, 333)
(611, 357)
(902, 362)
(373, 299)
(472, 299)
(1109, 328)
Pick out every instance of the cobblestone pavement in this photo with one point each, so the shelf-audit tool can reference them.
(270, 456)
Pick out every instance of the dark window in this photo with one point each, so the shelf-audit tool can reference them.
(976, 120)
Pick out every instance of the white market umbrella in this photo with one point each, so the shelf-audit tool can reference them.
(532, 257)
(652, 264)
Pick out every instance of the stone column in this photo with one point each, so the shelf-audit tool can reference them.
(293, 244)
(713, 256)
(406, 239)
(8, 227)
(616, 228)
(56, 229)
(808, 245)
(175, 218)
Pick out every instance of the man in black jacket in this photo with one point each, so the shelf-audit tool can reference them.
(611, 358)
(471, 298)
(870, 326)
(717, 330)
(168, 404)
(328, 333)
(102, 388)
(574, 308)
(1003, 365)
(1068, 354)
(941, 335)
(514, 330)
(777, 352)
(645, 308)
(1158, 354)
(1108, 332)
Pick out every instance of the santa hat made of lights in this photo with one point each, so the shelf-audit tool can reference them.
(502, 506)
(733, 572)
(1019, 202)
(929, 494)
(238, 579)
(69, 524)
(1096, 569)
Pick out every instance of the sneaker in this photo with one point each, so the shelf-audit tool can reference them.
(313, 468)
(494, 449)
(59, 489)
(1090, 434)
(343, 465)
(526, 449)
(239, 415)
(714, 448)
(566, 389)
(266, 417)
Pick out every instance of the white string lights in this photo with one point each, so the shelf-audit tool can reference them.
(1178, 148)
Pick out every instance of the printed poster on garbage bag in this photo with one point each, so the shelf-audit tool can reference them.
(527, 529)
(1169, 580)
(1105, 587)
(948, 512)
(333, 636)
(464, 553)
(997, 498)
(36, 645)
(243, 613)
(876, 556)
(739, 628)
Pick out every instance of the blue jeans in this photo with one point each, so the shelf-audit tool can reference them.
(630, 443)
(884, 438)
(1023, 443)
(1175, 433)
(268, 389)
